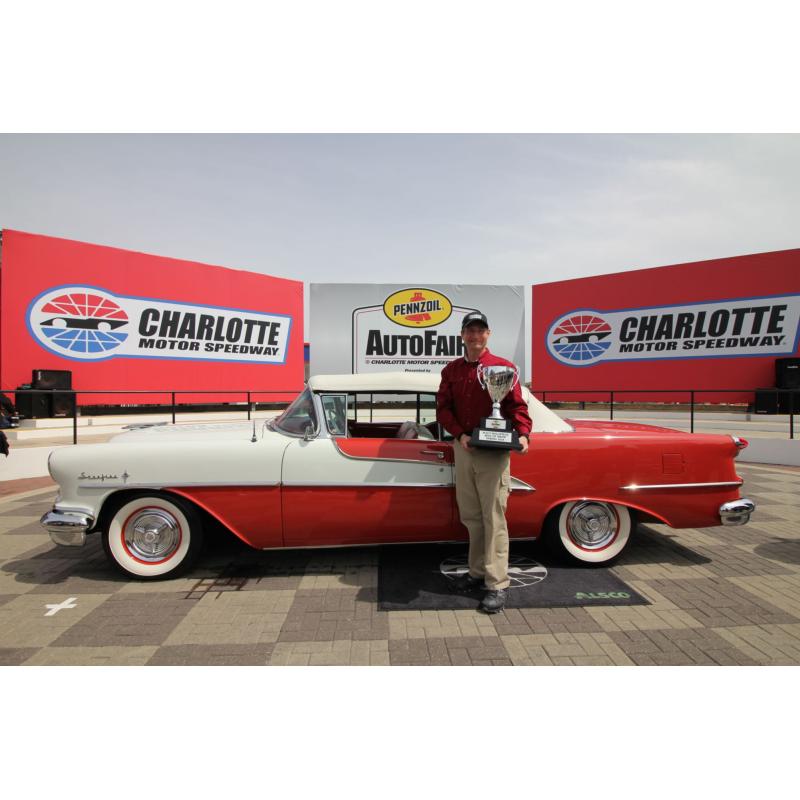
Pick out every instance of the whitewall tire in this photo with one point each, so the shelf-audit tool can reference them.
(590, 531)
(153, 536)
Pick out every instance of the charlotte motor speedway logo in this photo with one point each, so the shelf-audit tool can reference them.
(81, 323)
(755, 326)
(88, 323)
(580, 337)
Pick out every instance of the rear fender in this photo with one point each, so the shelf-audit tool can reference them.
(640, 509)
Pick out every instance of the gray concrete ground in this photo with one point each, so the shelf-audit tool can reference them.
(718, 596)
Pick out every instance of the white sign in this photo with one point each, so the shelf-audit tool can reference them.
(757, 326)
(86, 323)
(359, 328)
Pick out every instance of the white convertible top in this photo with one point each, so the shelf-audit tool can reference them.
(544, 420)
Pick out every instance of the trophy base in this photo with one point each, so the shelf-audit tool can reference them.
(495, 434)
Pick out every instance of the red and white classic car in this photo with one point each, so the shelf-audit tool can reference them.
(360, 459)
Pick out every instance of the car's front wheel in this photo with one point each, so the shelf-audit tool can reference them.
(589, 531)
(152, 536)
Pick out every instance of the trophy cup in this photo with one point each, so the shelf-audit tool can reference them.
(495, 431)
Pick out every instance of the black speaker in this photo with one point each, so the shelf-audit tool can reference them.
(772, 402)
(787, 373)
(62, 404)
(33, 405)
(51, 379)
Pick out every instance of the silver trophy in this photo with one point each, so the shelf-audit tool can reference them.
(496, 431)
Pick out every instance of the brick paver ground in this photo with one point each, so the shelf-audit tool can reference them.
(718, 596)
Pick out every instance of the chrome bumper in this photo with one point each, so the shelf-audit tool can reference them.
(67, 527)
(736, 512)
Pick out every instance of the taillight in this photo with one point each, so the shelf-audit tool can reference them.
(740, 444)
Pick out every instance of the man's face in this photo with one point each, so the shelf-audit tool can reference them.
(475, 336)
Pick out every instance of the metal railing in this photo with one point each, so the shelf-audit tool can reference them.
(246, 394)
(691, 394)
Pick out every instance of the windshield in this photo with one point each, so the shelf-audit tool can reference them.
(298, 416)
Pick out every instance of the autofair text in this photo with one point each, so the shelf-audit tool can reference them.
(426, 344)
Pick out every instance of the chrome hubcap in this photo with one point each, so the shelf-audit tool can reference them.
(152, 534)
(592, 525)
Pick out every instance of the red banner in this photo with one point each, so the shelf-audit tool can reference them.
(123, 320)
(706, 325)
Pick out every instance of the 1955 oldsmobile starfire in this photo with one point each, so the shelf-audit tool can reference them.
(339, 467)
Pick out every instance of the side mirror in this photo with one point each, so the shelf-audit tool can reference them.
(308, 432)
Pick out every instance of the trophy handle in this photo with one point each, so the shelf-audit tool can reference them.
(480, 376)
(516, 378)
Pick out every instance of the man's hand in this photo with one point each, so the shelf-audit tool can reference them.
(463, 440)
(523, 441)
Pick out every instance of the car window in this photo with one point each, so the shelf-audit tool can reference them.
(381, 409)
(427, 409)
(298, 416)
(334, 408)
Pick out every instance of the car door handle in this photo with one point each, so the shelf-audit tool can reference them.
(438, 453)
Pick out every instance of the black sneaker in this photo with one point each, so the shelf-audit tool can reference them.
(466, 583)
(493, 601)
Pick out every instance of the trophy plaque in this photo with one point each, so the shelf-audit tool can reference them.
(495, 431)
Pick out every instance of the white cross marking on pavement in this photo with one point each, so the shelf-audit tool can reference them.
(56, 607)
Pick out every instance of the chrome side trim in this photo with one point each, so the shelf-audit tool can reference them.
(393, 460)
(736, 512)
(67, 527)
(365, 485)
(632, 487)
(518, 485)
(181, 485)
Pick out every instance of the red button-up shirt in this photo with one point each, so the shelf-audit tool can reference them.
(461, 402)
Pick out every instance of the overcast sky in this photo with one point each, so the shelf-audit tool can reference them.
(435, 208)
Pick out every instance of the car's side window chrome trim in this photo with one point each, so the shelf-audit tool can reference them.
(334, 411)
(300, 418)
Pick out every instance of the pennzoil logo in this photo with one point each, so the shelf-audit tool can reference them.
(417, 308)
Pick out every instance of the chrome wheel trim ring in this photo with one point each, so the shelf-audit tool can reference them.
(151, 535)
(592, 525)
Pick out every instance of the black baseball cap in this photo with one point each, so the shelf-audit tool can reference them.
(475, 316)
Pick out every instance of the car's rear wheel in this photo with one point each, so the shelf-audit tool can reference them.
(153, 536)
(589, 531)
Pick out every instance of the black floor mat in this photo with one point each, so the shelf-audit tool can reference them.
(418, 577)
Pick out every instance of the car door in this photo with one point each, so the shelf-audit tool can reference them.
(338, 490)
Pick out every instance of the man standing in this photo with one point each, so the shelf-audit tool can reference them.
(482, 475)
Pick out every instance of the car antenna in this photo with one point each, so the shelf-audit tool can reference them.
(254, 432)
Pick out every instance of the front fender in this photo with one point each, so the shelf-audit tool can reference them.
(88, 475)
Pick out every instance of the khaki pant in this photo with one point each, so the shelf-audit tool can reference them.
(482, 485)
